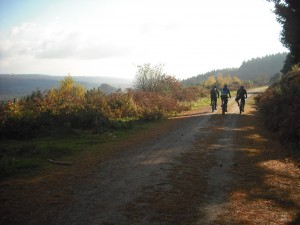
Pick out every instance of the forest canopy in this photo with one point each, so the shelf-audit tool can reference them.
(258, 70)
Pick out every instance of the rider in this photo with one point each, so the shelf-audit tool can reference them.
(241, 94)
(214, 94)
(224, 95)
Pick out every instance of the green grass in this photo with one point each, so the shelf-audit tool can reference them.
(201, 103)
(28, 157)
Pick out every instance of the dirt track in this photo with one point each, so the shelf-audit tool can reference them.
(191, 173)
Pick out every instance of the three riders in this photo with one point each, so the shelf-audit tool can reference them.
(241, 94)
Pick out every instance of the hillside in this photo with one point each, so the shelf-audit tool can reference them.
(258, 70)
(265, 66)
(23, 84)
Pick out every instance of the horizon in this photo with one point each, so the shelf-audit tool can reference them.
(51, 75)
(132, 78)
(111, 38)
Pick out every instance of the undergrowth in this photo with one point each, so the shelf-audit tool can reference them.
(280, 107)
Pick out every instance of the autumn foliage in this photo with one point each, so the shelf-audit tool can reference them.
(280, 106)
(232, 81)
(72, 106)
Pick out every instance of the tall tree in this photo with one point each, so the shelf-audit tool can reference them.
(288, 15)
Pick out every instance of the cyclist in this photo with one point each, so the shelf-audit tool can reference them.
(224, 95)
(214, 94)
(241, 94)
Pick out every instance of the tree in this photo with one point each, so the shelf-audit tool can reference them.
(220, 80)
(147, 77)
(236, 81)
(67, 98)
(287, 64)
(275, 78)
(152, 79)
(288, 15)
(211, 80)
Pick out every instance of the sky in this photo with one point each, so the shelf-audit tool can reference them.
(112, 37)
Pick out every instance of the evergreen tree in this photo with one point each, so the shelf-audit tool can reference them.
(288, 15)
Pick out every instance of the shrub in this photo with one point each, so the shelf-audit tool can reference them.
(71, 106)
(280, 106)
(153, 106)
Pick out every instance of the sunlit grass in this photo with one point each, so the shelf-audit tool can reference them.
(200, 103)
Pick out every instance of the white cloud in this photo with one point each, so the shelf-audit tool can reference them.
(108, 37)
(57, 42)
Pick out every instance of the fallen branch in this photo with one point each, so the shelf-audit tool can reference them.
(59, 163)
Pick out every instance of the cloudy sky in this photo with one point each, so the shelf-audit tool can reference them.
(112, 37)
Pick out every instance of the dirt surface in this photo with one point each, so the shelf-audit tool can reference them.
(199, 168)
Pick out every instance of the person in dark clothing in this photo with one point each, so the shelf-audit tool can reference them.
(241, 94)
(214, 94)
(225, 93)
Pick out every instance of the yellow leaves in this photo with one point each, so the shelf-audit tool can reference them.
(220, 80)
(14, 110)
(236, 80)
(210, 81)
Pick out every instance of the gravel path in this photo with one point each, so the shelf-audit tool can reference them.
(104, 197)
(117, 182)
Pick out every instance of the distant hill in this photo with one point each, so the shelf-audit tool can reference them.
(256, 69)
(18, 85)
(268, 65)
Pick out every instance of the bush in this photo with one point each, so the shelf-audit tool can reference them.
(152, 106)
(71, 106)
(280, 106)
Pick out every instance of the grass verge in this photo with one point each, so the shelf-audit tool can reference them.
(19, 158)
